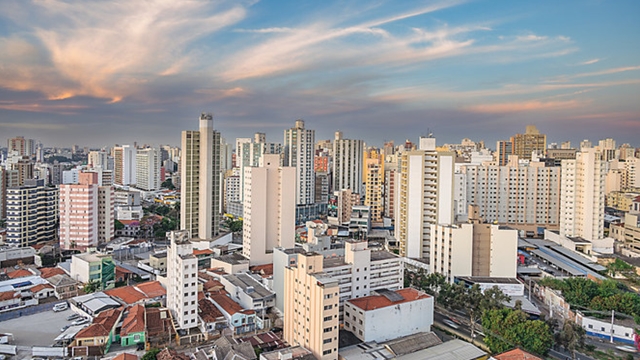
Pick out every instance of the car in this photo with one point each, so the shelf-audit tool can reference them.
(627, 348)
(73, 317)
(62, 329)
(60, 307)
(450, 324)
(80, 322)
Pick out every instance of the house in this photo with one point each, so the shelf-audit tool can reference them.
(212, 321)
(147, 292)
(131, 228)
(126, 356)
(47, 272)
(241, 321)
(204, 257)
(64, 287)
(101, 333)
(19, 273)
(249, 292)
(170, 354)
(229, 348)
(133, 327)
(159, 326)
(292, 353)
(96, 267)
(231, 263)
(93, 304)
(43, 291)
(9, 299)
(516, 354)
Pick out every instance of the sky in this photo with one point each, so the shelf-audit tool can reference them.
(97, 73)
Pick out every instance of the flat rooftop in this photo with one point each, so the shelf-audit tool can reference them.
(233, 259)
(489, 280)
(386, 298)
(245, 281)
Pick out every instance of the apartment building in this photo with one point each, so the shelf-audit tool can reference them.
(148, 165)
(347, 163)
(374, 177)
(182, 274)
(298, 152)
(32, 213)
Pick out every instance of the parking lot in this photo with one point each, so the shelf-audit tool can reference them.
(37, 329)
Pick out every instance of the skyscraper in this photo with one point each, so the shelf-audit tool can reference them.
(425, 196)
(298, 152)
(148, 163)
(124, 170)
(182, 270)
(200, 190)
(269, 209)
(347, 163)
(374, 183)
(32, 212)
(525, 144)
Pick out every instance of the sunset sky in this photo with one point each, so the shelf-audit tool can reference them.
(105, 72)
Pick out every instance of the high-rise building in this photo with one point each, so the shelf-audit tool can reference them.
(182, 274)
(98, 159)
(525, 144)
(250, 152)
(269, 209)
(23, 147)
(521, 195)
(608, 149)
(582, 195)
(86, 213)
(425, 196)
(24, 167)
(148, 164)
(374, 183)
(200, 180)
(390, 183)
(3, 193)
(124, 158)
(347, 163)
(311, 305)
(32, 213)
(298, 152)
(503, 150)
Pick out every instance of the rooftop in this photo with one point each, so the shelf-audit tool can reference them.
(489, 280)
(297, 352)
(208, 311)
(134, 321)
(227, 304)
(48, 272)
(19, 273)
(126, 356)
(233, 259)
(387, 298)
(516, 354)
(158, 321)
(102, 324)
(249, 285)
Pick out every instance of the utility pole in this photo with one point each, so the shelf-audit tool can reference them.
(612, 317)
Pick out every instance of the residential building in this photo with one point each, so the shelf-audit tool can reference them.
(374, 177)
(98, 159)
(182, 274)
(323, 186)
(101, 333)
(473, 249)
(340, 205)
(425, 197)
(249, 292)
(387, 315)
(390, 185)
(525, 144)
(32, 213)
(504, 149)
(582, 195)
(505, 194)
(79, 213)
(124, 170)
(269, 209)
(94, 267)
(239, 320)
(133, 327)
(347, 163)
(200, 179)
(25, 169)
(298, 153)
(311, 307)
(22, 146)
(148, 164)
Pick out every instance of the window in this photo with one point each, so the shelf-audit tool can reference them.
(326, 341)
(326, 352)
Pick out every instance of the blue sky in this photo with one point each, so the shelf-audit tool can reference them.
(105, 72)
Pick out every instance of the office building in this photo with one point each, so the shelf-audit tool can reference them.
(182, 274)
(582, 196)
(374, 177)
(298, 153)
(269, 209)
(148, 164)
(311, 307)
(32, 213)
(347, 163)
(124, 171)
(200, 180)
(531, 141)
(425, 196)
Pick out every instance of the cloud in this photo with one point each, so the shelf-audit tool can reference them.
(266, 30)
(533, 105)
(589, 62)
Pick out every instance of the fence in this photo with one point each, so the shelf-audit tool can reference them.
(30, 310)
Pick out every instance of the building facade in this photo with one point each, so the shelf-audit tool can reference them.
(182, 274)
(148, 164)
(32, 213)
(348, 157)
(298, 153)
(374, 177)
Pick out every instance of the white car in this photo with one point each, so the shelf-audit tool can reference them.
(450, 324)
(627, 348)
(60, 307)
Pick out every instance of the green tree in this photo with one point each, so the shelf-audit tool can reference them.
(618, 266)
(167, 184)
(92, 286)
(571, 337)
(507, 328)
(151, 354)
(118, 225)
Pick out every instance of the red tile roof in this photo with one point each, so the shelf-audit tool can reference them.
(212, 285)
(152, 289)
(516, 354)
(40, 287)
(127, 294)
(379, 301)
(102, 324)
(202, 252)
(208, 312)
(123, 270)
(130, 222)
(134, 322)
(158, 321)
(228, 305)
(48, 272)
(8, 295)
(265, 270)
(126, 356)
(19, 273)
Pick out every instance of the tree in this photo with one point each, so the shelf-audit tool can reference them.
(618, 266)
(167, 184)
(506, 328)
(92, 286)
(118, 225)
(151, 354)
(571, 337)
(478, 302)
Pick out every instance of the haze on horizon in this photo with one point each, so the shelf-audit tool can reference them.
(97, 73)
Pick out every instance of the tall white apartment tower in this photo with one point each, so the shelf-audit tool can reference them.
(148, 164)
(424, 195)
(298, 153)
(200, 189)
(182, 274)
(582, 195)
(124, 158)
(347, 163)
(269, 209)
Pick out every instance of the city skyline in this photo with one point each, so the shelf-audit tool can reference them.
(123, 72)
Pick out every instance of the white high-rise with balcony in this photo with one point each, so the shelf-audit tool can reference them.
(148, 164)
(298, 152)
(347, 163)
(182, 274)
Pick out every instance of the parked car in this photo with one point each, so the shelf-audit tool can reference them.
(627, 348)
(62, 329)
(60, 307)
(80, 322)
(450, 323)
(73, 317)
